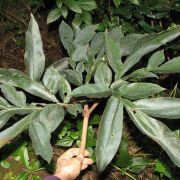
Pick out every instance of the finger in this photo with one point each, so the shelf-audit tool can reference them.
(80, 157)
(75, 151)
(84, 167)
(87, 161)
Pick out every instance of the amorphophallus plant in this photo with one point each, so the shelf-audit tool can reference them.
(100, 65)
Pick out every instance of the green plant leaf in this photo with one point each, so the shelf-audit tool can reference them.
(123, 159)
(97, 43)
(64, 90)
(8, 112)
(138, 165)
(141, 74)
(113, 54)
(147, 44)
(103, 74)
(22, 153)
(51, 116)
(61, 64)
(75, 109)
(77, 21)
(88, 5)
(156, 59)
(59, 3)
(136, 2)
(162, 167)
(74, 77)
(139, 90)
(86, 17)
(51, 79)
(18, 79)
(110, 132)
(116, 34)
(64, 11)
(91, 140)
(128, 43)
(85, 35)
(66, 35)
(163, 107)
(65, 142)
(80, 53)
(54, 15)
(34, 57)
(5, 164)
(117, 3)
(8, 134)
(92, 91)
(159, 132)
(4, 104)
(40, 137)
(73, 5)
(12, 95)
(172, 66)
(22, 176)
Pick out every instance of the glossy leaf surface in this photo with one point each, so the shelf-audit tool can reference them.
(16, 78)
(159, 132)
(92, 91)
(163, 107)
(34, 57)
(139, 90)
(110, 132)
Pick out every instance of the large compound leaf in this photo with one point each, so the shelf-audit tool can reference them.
(8, 134)
(172, 66)
(139, 90)
(147, 44)
(66, 35)
(8, 112)
(40, 138)
(103, 74)
(159, 132)
(92, 91)
(110, 133)
(13, 96)
(84, 36)
(51, 79)
(163, 107)
(113, 54)
(34, 57)
(16, 78)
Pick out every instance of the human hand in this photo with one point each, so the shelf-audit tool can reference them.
(70, 164)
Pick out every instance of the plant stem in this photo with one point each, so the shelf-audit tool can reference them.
(87, 112)
(127, 174)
